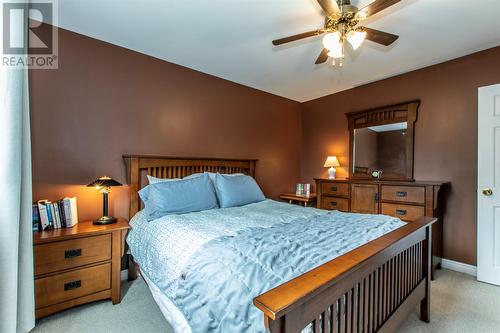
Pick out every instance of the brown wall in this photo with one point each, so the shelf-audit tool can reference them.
(446, 131)
(105, 101)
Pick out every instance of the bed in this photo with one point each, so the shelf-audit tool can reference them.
(363, 273)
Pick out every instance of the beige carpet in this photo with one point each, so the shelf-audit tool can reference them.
(458, 304)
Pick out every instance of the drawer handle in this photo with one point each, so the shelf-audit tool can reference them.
(72, 285)
(401, 194)
(401, 211)
(68, 254)
(334, 188)
(333, 203)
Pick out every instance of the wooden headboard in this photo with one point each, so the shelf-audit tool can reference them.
(176, 167)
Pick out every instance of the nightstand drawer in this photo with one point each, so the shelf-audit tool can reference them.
(414, 194)
(340, 189)
(331, 203)
(56, 256)
(404, 212)
(63, 287)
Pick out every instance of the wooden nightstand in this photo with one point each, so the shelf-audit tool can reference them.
(77, 265)
(301, 199)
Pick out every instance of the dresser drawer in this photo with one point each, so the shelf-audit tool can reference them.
(340, 189)
(63, 287)
(331, 203)
(414, 194)
(404, 212)
(52, 257)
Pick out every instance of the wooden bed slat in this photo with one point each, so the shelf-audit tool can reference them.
(335, 316)
(391, 286)
(376, 299)
(327, 326)
(386, 291)
(361, 302)
(316, 322)
(342, 316)
(355, 309)
(366, 305)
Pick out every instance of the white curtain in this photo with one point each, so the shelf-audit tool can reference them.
(16, 236)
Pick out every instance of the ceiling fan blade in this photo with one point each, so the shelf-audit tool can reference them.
(296, 37)
(375, 7)
(330, 7)
(323, 57)
(380, 37)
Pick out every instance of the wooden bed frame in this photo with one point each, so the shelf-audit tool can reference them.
(176, 167)
(372, 288)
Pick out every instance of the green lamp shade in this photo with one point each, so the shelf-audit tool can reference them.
(104, 182)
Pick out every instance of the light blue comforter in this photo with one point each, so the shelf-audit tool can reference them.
(215, 282)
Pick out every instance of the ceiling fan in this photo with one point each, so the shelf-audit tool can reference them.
(341, 24)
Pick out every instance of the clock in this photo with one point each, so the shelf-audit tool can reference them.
(376, 174)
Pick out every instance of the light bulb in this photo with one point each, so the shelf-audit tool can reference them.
(331, 40)
(356, 38)
(336, 53)
(361, 15)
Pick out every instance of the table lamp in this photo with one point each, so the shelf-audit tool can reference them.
(103, 184)
(332, 162)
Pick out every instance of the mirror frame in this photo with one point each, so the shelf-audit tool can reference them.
(405, 112)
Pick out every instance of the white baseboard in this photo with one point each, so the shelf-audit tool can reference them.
(459, 267)
(124, 275)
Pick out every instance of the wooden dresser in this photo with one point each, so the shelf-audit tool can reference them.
(407, 200)
(77, 265)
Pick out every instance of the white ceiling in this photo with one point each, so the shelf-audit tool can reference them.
(231, 39)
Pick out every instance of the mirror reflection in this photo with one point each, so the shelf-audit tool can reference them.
(380, 148)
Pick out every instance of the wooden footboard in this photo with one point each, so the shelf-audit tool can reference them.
(370, 289)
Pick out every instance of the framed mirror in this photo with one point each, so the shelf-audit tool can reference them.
(381, 142)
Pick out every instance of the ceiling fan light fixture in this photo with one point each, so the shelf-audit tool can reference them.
(332, 40)
(356, 38)
(340, 24)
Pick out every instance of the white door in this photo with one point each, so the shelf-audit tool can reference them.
(488, 181)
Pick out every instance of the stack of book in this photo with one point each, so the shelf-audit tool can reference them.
(54, 215)
(303, 190)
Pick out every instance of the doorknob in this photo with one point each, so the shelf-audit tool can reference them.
(488, 192)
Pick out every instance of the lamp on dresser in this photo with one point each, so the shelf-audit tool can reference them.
(331, 162)
(103, 184)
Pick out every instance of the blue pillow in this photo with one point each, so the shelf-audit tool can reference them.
(178, 197)
(211, 175)
(235, 191)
